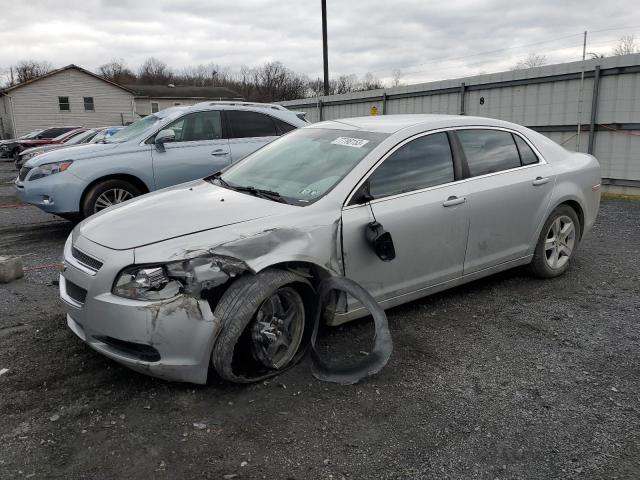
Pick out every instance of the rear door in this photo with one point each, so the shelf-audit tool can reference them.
(249, 131)
(199, 149)
(508, 190)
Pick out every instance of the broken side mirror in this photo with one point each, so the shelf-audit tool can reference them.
(362, 195)
(381, 241)
(164, 136)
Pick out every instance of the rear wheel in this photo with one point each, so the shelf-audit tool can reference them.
(107, 193)
(558, 241)
(264, 326)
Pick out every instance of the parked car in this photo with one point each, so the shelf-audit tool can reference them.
(5, 151)
(173, 146)
(40, 139)
(92, 135)
(222, 271)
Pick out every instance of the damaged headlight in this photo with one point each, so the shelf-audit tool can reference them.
(161, 282)
(145, 283)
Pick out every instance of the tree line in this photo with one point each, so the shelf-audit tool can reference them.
(269, 82)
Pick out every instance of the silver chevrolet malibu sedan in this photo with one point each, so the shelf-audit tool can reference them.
(221, 273)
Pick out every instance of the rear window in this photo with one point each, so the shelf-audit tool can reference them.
(251, 124)
(527, 156)
(488, 151)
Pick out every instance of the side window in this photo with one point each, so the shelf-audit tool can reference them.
(63, 103)
(88, 104)
(488, 151)
(527, 156)
(423, 162)
(198, 126)
(282, 126)
(251, 124)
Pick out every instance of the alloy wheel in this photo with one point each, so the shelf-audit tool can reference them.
(277, 330)
(111, 197)
(560, 242)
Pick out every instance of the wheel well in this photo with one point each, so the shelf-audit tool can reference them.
(578, 209)
(118, 176)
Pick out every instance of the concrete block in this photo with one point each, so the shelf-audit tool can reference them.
(10, 268)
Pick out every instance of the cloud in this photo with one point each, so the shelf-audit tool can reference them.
(426, 40)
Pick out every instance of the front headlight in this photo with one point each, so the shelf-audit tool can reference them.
(190, 276)
(28, 156)
(145, 283)
(49, 169)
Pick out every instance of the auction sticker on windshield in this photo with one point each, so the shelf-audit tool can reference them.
(350, 142)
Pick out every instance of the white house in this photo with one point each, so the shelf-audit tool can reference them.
(73, 96)
(67, 96)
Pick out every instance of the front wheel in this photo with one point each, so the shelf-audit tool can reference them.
(558, 241)
(264, 326)
(107, 193)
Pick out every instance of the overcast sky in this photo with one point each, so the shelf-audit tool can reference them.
(425, 40)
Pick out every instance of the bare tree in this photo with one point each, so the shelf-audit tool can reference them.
(626, 45)
(369, 82)
(396, 77)
(154, 72)
(532, 60)
(28, 70)
(116, 70)
(199, 75)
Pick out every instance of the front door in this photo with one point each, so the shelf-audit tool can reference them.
(509, 193)
(418, 201)
(199, 150)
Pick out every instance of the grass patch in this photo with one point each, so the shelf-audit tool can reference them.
(619, 196)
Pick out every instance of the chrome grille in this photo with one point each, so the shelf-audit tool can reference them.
(86, 260)
(24, 171)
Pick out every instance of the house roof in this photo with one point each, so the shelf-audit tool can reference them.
(59, 70)
(184, 91)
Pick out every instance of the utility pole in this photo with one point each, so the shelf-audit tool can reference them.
(584, 56)
(325, 54)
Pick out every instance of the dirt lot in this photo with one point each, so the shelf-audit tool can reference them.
(508, 377)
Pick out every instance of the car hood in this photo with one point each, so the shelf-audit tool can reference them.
(43, 148)
(64, 152)
(173, 212)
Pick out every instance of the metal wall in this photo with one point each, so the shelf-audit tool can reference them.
(546, 99)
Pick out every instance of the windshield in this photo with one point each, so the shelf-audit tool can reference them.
(303, 165)
(133, 130)
(80, 138)
(32, 134)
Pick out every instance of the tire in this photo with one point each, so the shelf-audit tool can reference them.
(107, 193)
(553, 252)
(234, 356)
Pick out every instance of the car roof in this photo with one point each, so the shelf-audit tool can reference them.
(394, 123)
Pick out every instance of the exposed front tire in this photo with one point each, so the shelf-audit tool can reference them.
(265, 326)
(558, 241)
(107, 193)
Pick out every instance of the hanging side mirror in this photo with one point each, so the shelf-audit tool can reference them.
(381, 241)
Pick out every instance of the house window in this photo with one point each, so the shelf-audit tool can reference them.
(64, 104)
(88, 104)
(176, 104)
(154, 107)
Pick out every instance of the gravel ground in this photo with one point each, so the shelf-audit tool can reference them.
(507, 377)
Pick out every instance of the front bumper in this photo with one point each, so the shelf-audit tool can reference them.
(170, 339)
(58, 193)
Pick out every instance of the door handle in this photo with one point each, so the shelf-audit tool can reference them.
(540, 181)
(219, 153)
(453, 200)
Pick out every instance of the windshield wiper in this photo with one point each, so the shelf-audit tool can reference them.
(259, 192)
(256, 192)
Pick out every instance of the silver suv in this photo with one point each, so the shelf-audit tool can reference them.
(172, 146)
